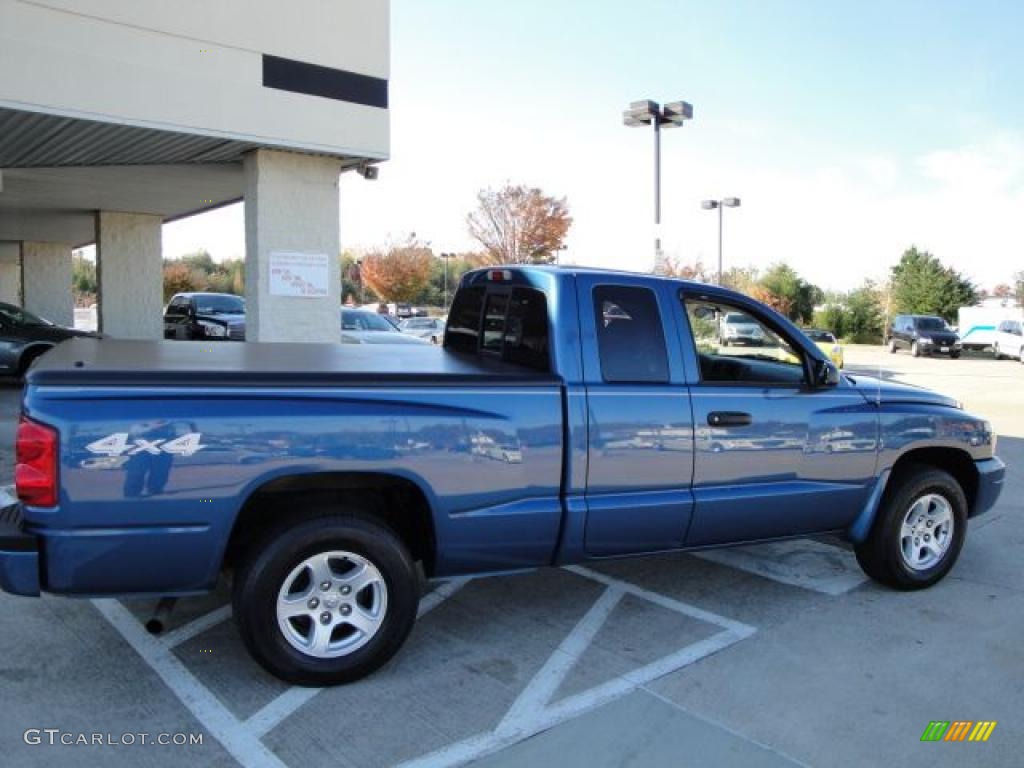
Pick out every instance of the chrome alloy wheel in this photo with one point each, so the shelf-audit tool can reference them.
(332, 604)
(927, 532)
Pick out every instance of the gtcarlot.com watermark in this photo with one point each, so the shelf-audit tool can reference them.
(55, 736)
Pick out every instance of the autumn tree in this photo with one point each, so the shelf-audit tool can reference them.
(784, 290)
(398, 272)
(519, 224)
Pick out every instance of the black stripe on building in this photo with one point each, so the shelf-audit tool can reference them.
(315, 80)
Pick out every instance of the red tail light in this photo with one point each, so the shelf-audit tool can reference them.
(35, 475)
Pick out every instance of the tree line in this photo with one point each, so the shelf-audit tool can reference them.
(518, 224)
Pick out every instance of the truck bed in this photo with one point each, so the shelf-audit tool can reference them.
(113, 362)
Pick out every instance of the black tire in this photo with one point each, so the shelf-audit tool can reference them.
(881, 556)
(955, 355)
(892, 346)
(995, 352)
(915, 350)
(266, 564)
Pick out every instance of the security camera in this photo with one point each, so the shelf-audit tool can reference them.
(369, 172)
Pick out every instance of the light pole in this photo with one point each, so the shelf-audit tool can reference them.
(558, 251)
(445, 257)
(672, 115)
(710, 205)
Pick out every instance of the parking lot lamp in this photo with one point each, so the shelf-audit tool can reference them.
(671, 115)
(710, 205)
(445, 257)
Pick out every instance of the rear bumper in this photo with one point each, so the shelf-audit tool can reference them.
(991, 474)
(19, 555)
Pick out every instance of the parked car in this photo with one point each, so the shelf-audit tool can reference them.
(206, 316)
(360, 326)
(25, 336)
(827, 343)
(738, 328)
(1009, 340)
(572, 416)
(923, 335)
(429, 328)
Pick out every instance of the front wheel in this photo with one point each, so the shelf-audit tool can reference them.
(892, 346)
(326, 600)
(915, 350)
(918, 532)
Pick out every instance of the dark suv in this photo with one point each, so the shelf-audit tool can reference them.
(923, 335)
(205, 316)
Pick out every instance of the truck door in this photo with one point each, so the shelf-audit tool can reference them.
(640, 430)
(774, 456)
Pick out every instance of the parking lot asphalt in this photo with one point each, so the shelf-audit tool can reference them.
(774, 655)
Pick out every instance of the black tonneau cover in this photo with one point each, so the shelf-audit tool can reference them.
(112, 362)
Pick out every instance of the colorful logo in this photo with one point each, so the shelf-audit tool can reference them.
(958, 730)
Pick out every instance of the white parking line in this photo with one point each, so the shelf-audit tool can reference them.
(195, 627)
(542, 687)
(798, 562)
(240, 738)
(271, 715)
(242, 745)
(532, 713)
(442, 592)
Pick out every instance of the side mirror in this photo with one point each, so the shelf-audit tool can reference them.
(825, 374)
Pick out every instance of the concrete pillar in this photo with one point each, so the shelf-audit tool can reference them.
(129, 273)
(10, 273)
(291, 228)
(46, 281)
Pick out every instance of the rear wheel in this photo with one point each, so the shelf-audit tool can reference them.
(326, 600)
(918, 532)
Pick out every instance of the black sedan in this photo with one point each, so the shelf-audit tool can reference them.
(24, 337)
(205, 316)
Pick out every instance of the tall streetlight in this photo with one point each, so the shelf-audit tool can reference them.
(710, 205)
(445, 257)
(672, 115)
(558, 250)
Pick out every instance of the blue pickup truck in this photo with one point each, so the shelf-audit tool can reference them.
(571, 415)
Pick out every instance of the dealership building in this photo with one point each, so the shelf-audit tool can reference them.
(119, 115)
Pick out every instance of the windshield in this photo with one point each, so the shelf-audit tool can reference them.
(822, 336)
(735, 317)
(18, 316)
(418, 322)
(352, 320)
(931, 324)
(213, 304)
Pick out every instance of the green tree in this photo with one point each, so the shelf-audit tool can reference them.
(784, 289)
(83, 277)
(921, 285)
(864, 315)
(833, 317)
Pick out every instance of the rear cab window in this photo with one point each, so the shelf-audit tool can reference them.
(510, 324)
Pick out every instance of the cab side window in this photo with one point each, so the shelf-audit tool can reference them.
(735, 346)
(630, 339)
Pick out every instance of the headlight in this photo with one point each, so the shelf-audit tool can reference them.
(213, 330)
(924, 340)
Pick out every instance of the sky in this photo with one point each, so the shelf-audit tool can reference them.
(849, 131)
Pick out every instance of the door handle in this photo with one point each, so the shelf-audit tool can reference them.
(729, 419)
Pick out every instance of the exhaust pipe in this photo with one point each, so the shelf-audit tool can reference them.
(158, 621)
